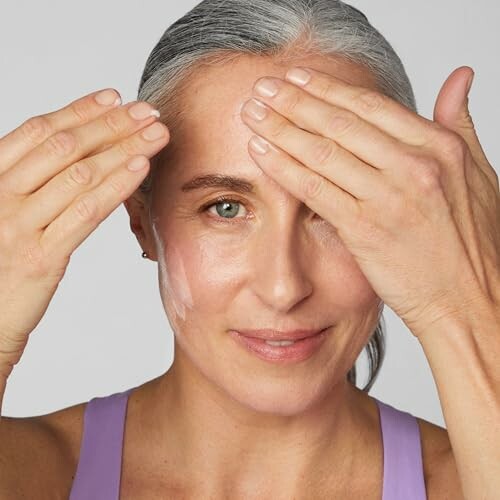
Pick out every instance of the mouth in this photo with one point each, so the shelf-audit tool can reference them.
(275, 336)
(282, 351)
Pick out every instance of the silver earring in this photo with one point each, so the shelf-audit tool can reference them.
(144, 255)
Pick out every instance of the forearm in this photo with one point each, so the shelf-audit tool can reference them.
(464, 357)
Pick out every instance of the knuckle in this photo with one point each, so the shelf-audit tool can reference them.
(326, 92)
(127, 149)
(324, 152)
(80, 173)
(81, 110)
(340, 124)
(60, 144)
(427, 175)
(279, 129)
(412, 156)
(113, 122)
(117, 186)
(292, 100)
(369, 101)
(313, 186)
(36, 129)
(87, 208)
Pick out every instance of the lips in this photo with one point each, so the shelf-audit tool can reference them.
(267, 334)
(297, 351)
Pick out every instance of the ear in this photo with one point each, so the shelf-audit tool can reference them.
(137, 207)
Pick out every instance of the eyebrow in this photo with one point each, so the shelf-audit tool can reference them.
(237, 184)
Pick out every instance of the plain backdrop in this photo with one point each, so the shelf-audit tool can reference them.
(105, 330)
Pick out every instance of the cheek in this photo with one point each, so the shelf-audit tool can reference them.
(176, 280)
(198, 276)
(176, 289)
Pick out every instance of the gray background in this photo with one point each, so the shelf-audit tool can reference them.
(105, 329)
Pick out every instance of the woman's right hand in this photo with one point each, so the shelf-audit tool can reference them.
(61, 175)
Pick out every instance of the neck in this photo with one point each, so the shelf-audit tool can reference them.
(212, 440)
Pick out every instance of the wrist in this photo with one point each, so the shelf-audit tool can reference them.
(483, 320)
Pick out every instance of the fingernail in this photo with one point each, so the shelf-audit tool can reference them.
(298, 76)
(137, 163)
(266, 88)
(108, 97)
(259, 145)
(256, 109)
(143, 110)
(154, 132)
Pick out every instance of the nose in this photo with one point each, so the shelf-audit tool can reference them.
(283, 268)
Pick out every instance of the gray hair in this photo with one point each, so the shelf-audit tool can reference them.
(218, 31)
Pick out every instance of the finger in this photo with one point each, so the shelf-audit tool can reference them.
(371, 105)
(452, 111)
(82, 217)
(323, 197)
(69, 146)
(87, 175)
(37, 129)
(320, 154)
(364, 140)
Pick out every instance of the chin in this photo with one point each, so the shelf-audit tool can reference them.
(283, 398)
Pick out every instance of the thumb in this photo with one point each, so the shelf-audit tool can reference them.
(452, 109)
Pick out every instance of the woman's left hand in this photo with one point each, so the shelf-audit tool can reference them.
(415, 201)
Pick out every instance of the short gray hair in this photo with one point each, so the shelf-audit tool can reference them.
(218, 31)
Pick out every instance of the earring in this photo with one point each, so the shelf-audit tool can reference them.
(144, 255)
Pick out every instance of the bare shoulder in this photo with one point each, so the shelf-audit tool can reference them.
(39, 454)
(66, 426)
(441, 476)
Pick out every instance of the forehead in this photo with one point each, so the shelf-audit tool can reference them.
(213, 138)
(227, 86)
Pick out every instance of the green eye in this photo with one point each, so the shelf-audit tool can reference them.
(226, 208)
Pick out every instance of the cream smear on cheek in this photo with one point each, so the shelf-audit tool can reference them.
(173, 279)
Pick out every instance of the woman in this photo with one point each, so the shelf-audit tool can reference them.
(306, 242)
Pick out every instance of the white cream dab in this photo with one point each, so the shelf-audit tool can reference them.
(173, 279)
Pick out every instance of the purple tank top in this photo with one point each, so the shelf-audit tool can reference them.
(99, 468)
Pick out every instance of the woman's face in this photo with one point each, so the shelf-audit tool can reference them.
(264, 260)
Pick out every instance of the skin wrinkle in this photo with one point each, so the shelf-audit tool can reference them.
(221, 420)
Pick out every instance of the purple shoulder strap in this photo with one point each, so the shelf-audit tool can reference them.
(403, 466)
(99, 467)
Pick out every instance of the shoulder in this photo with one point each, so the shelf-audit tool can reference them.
(40, 454)
(441, 476)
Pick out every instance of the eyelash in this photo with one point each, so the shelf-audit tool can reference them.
(226, 199)
(217, 218)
